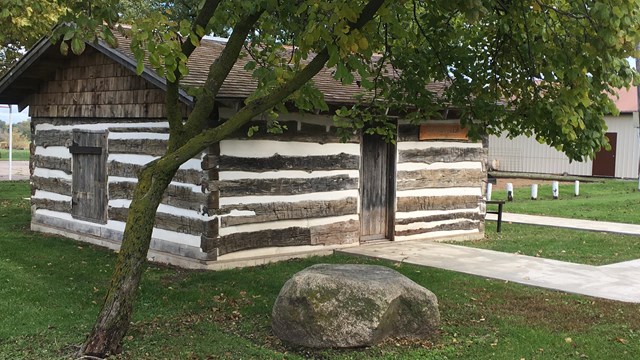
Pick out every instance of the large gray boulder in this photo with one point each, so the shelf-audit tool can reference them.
(341, 306)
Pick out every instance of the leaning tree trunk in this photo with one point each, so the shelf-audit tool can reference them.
(113, 321)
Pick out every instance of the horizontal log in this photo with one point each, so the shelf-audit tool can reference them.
(53, 205)
(307, 133)
(288, 211)
(440, 178)
(469, 215)
(442, 154)
(344, 232)
(463, 225)
(190, 176)
(153, 147)
(61, 121)
(171, 222)
(178, 196)
(54, 185)
(159, 130)
(293, 236)
(53, 163)
(208, 245)
(284, 186)
(47, 138)
(341, 161)
(419, 203)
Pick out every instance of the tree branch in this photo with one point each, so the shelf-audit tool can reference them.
(172, 98)
(218, 72)
(201, 140)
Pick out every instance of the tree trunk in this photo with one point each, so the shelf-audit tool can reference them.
(113, 321)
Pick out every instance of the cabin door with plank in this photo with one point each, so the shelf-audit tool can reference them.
(377, 184)
(89, 196)
(604, 164)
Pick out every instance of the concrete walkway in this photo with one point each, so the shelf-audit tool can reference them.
(603, 226)
(619, 281)
(19, 170)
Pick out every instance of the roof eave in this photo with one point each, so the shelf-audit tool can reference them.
(21, 66)
(45, 44)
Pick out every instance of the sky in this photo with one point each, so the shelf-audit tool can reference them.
(16, 116)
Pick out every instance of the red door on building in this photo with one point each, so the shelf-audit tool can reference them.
(604, 164)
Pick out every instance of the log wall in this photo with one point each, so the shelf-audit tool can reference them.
(291, 189)
(182, 216)
(439, 187)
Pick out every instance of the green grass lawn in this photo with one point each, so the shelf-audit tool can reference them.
(51, 289)
(583, 247)
(17, 155)
(613, 200)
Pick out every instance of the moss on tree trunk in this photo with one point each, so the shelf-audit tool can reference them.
(113, 321)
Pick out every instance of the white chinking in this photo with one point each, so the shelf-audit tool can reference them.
(101, 126)
(49, 173)
(191, 164)
(41, 194)
(166, 235)
(118, 179)
(462, 165)
(165, 209)
(53, 151)
(268, 148)
(454, 191)
(138, 135)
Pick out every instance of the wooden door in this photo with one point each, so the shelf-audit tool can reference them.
(604, 164)
(89, 200)
(377, 184)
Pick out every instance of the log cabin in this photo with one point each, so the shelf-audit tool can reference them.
(247, 200)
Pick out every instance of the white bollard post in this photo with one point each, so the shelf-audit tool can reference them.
(554, 190)
(534, 191)
(576, 188)
(489, 189)
(509, 191)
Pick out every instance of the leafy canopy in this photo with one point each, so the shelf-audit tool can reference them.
(23, 23)
(543, 68)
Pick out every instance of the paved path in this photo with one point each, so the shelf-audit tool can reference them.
(20, 170)
(619, 281)
(615, 282)
(618, 228)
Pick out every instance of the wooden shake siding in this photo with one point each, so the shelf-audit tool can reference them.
(94, 86)
(292, 189)
(132, 112)
(439, 186)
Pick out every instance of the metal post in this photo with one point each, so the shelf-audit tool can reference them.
(555, 190)
(576, 188)
(509, 191)
(10, 144)
(534, 191)
(489, 189)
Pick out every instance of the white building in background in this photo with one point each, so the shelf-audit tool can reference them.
(526, 155)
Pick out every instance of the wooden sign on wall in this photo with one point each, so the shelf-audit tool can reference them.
(443, 132)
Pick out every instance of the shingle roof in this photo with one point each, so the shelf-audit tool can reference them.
(30, 71)
(240, 83)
